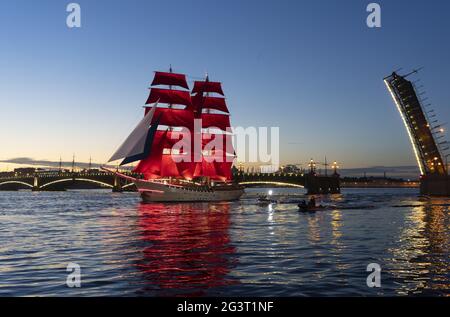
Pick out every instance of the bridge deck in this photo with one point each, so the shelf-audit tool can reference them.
(51, 181)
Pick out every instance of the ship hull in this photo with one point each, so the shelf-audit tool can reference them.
(159, 192)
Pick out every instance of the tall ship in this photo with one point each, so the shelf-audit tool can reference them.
(183, 145)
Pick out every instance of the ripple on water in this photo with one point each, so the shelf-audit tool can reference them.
(126, 248)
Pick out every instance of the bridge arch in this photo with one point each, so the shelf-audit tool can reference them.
(17, 183)
(76, 179)
(271, 183)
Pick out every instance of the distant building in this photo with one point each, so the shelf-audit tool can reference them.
(25, 170)
(269, 169)
(290, 168)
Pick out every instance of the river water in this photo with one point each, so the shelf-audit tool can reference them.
(126, 248)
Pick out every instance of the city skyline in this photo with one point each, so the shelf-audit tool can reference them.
(325, 93)
(407, 172)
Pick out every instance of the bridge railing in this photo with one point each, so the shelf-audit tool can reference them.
(8, 175)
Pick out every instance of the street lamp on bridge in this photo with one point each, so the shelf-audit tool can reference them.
(335, 167)
(312, 166)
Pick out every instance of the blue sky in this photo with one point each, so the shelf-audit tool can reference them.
(313, 68)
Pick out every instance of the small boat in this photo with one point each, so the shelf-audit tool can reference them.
(306, 208)
(264, 200)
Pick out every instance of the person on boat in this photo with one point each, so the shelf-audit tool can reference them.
(312, 202)
(303, 204)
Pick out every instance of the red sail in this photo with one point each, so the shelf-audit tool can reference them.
(174, 97)
(227, 140)
(205, 168)
(186, 169)
(215, 170)
(216, 157)
(228, 145)
(166, 139)
(157, 164)
(208, 169)
(173, 117)
(168, 166)
(163, 165)
(150, 167)
(198, 170)
(219, 156)
(215, 103)
(170, 79)
(224, 170)
(215, 120)
(207, 86)
(218, 146)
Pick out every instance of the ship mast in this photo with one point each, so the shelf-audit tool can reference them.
(215, 163)
(152, 142)
(160, 162)
(170, 88)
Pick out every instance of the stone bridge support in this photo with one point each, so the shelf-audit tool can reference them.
(117, 185)
(35, 184)
(322, 184)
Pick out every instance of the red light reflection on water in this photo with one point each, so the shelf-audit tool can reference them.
(187, 248)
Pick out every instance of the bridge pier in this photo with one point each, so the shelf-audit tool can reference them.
(35, 184)
(317, 185)
(117, 188)
(435, 185)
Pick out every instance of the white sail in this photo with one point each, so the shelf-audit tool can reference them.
(135, 142)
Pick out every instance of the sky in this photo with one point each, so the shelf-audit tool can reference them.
(312, 68)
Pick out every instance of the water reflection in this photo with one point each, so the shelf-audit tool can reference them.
(420, 261)
(437, 231)
(336, 224)
(313, 229)
(237, 249)
(187, 247)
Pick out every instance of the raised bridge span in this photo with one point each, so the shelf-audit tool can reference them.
(425, 134)
(50, 181)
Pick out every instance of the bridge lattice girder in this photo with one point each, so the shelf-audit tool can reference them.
(426, 149)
